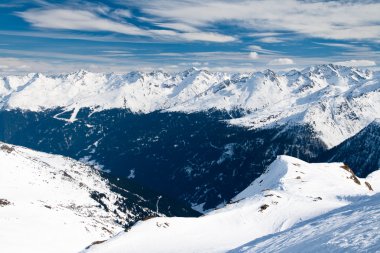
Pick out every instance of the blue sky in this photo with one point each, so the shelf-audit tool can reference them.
(121, 36)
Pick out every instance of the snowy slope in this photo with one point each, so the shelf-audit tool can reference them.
(353, 228)
(289, 192)
(336, 101)
(50, 203)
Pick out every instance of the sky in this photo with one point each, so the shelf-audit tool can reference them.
(218, 35)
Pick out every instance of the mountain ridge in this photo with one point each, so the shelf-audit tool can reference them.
(346, 98)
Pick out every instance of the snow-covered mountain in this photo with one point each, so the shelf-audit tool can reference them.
(291, 191)
(170, 132)
(353, 228)
(50, 203)
(336, 101)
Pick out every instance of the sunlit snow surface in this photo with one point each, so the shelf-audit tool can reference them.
(291, 191)
(336, 101)
(353, 228)
(49, 208)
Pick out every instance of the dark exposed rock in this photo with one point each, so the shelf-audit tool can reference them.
(4, 202)
(263, 207)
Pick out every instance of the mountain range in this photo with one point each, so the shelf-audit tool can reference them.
(344, 99)
(198, 137)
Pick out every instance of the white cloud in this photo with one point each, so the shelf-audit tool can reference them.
(197, 20)
(178, 26)
(83, 20)
(17, 66)
(10, 65)
(271, 40)
(281, 61)
(256, 48)
(55, 55)
(324, 19)
(206, 36)
(357, 63)
(58, 35)
(123, 13)
(25, 61)
(264, 34)
(253, 55)
(77, 20)
(341, 45)
(262, 50)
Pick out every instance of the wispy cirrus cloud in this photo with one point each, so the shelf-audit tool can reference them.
(234, 35)
(70, 19)
(262, 50)
(270, 37)
(177, 26)
(195, 20)
(253, 55)
(281, 61)
(272, 40)
(323, 19)
(66, 36)
(85, 20)
(20, 65)
(357, 63)
(346, 46)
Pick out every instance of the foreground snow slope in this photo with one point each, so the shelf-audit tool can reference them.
(353, 228)
(336, 101)
(289, 192)
(47, 203)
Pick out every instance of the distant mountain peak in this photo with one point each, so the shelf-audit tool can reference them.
(287, 172)
(81, 72)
